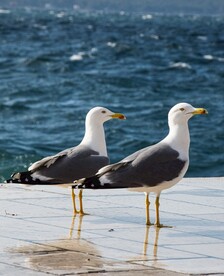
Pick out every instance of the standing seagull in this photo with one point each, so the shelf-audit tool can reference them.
(153, 168)
(74, 163)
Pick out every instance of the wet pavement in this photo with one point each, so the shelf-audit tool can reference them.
(39, 235)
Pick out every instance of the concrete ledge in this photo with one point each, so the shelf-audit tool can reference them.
(39, 235)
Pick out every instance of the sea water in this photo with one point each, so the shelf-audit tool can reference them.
(57, 64)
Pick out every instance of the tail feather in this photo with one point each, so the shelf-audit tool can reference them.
(92, 182)
(87, 183)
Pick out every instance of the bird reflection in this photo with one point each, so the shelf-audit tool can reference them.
(146, 241)
(79, 228)
(76, 254)
(70, 254)
(146, 255)
(148, 233)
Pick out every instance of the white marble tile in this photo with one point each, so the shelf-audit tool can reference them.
(114, 234)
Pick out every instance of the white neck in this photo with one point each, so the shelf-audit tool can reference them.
(179, 139)
(95, 137)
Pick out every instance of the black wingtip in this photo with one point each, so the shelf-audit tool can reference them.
(22, 178)
(15, 178)
(10, 180)
(89, 183)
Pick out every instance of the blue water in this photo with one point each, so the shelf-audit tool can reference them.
(55, 65)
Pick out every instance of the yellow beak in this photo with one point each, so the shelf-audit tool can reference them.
(118, 116)
(200, 111)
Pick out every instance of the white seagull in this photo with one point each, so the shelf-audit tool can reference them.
(74, 163)
(153, 168)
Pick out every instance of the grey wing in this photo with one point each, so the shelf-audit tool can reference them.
(150, 167)
(71, 164)
(134, 155)
(49, 160)
(123, 163)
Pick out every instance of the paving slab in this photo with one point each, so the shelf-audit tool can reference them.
(40, 236)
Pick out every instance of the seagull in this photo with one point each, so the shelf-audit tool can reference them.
(154, 168)
(74, 163)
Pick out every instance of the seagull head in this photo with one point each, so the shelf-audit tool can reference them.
(182, 112)
(102, 114)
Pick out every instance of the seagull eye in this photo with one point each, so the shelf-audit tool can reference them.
(103, 111)
(182, 109)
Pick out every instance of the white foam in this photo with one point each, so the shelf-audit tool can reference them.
(111, 44)
(180, 65)
(77, 57)
(60, 14)
(90, 27)
(93, 50)
(76, 7)
(221, 59)
(209, 57)
(147, 17)
(48, 6)
(4, 11)
(154, 37)
(203, 38)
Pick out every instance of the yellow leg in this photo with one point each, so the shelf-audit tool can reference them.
(75, 211)
(157, 222)
(81, 211)
(147, 204)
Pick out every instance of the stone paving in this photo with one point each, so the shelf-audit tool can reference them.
(39, 235)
